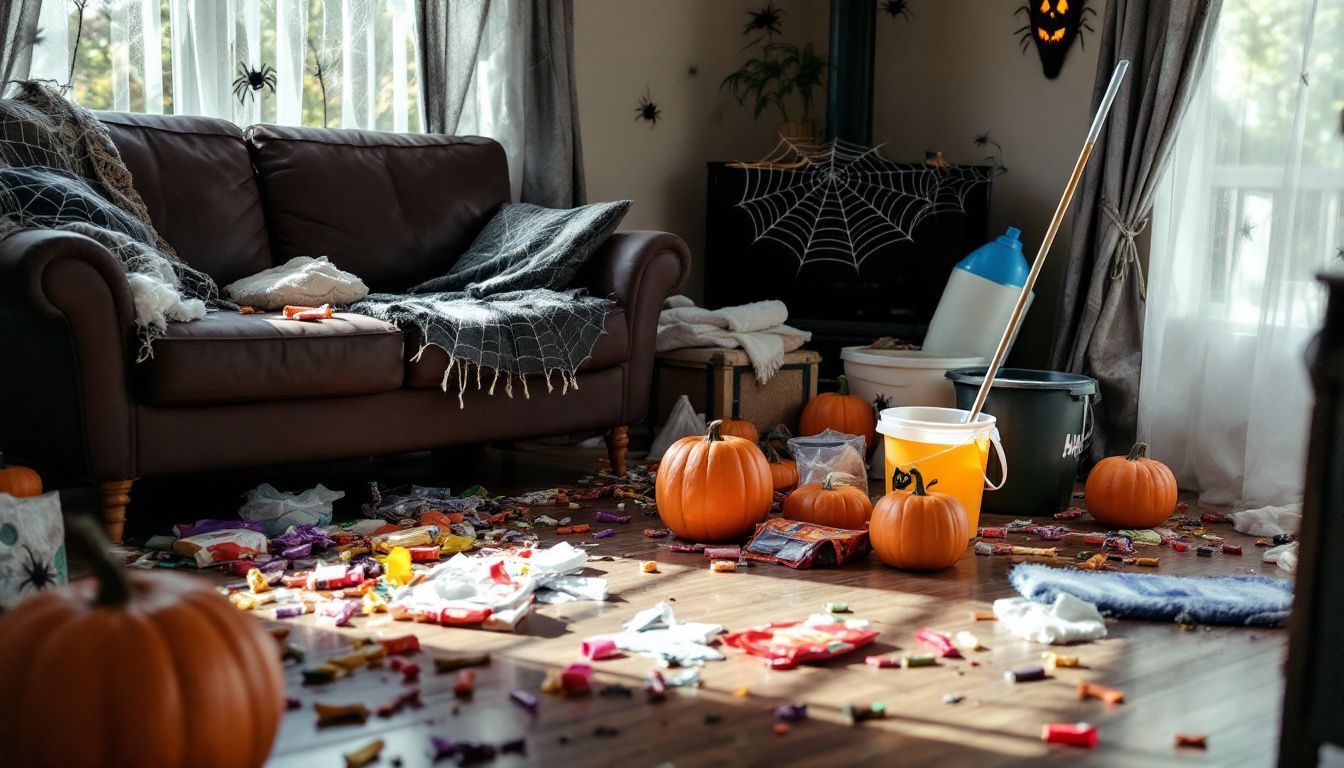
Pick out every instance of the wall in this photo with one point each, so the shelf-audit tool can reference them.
(954, 70)
(622, 48)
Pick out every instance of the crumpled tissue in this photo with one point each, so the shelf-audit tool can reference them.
(656, 632)
(1067, 620)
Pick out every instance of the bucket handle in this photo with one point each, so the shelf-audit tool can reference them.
(1003, 462)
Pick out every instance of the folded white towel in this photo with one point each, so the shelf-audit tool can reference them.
(757, 329)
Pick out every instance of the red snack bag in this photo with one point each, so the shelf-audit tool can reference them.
(787, 644)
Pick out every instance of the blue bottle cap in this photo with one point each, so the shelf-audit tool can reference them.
(1000, 261)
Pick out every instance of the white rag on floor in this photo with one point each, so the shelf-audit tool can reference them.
(757, 329)
(656, 632)
(1067, 620)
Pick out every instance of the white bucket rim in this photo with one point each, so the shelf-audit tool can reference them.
(932, 424)
(908, 358)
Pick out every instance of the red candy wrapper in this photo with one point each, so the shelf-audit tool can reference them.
(787, 644)
(804, 545)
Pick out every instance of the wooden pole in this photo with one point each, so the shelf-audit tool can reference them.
(1019, 309)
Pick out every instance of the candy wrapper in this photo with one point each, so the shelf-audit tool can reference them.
(216, 547)
(787, 644)
(804, 545)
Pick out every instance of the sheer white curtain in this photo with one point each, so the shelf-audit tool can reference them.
(1249, 211)
(184, 56)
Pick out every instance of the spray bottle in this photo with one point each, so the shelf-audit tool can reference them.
(979, 298)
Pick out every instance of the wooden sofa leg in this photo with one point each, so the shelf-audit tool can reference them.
(116, 495)
(618, 439)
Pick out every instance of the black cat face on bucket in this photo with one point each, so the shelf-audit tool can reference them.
(901, 480)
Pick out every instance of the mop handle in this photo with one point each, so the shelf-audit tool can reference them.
(1018, 309)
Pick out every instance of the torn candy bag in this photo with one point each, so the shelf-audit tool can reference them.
(787, 644)
(804, 545)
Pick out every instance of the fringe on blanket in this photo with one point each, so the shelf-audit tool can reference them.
(568, 379)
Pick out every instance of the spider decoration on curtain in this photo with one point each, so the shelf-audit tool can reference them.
(249, 81)
(895, 8)
(1053, 25)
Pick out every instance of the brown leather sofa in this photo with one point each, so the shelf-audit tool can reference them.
(239, 391)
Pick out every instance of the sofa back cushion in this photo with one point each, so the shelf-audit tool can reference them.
(195, 176)
(395, 209)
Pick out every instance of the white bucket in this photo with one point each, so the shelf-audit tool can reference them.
(943, 447)
(903, 377)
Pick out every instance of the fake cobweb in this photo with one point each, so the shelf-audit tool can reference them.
(60, 170)
(844, 202)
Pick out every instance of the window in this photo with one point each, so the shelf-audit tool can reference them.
(338, 63)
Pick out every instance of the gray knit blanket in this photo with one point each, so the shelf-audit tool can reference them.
(60, 170)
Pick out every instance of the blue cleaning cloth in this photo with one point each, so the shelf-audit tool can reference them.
(1242, 600)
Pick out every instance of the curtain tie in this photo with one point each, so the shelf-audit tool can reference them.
(1128, 252)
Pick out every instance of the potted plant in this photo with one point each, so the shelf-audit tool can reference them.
(768, 80)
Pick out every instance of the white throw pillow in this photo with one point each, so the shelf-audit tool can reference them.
(32, 546)
(302, 281)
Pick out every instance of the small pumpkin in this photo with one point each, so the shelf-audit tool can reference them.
(19, 482)
(783, 472)
(826, 503)
(715, 488)
(841, 411)
(1131, 491)
(919, 530)
(740, 428)
(168, 671)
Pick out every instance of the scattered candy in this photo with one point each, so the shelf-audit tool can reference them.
(859, 713)
(1283, 538)
(983, 616)
(657, 533)
(603, 516)
(465, 685)
(835, 608)
(598, 648)
(410, 698)
(649, 566)
(1025, 674)
(723, 566)
(967, 641)
(1087, 690)
(742, 692)
(782, 729)
(1076, 734)
(577, 679)
(1147, 562)
(1192, 740)
(881, 662)
(952, 698)
(1204, 551)
(939, 640)
(654, 686)
(910, 660)
(1179, 546)
(1231, 549)
(791, 713)
(1055, 660)
(402, 644)
(993, 533)
(524, 699)
(365, 755)
(449, 663)
(340, 714)
(605, 533)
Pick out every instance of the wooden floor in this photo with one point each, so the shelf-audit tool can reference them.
(1224, 682)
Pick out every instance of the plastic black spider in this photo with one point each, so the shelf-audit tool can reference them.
(766, 20)
(250, 81)
(996, 154)
(1247, 230)
(36, 574)
(894, 8)
(647, 110)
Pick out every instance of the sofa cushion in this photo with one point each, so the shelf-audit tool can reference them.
(395, 209)
(613, 348)
(195, 176)
(229, 357)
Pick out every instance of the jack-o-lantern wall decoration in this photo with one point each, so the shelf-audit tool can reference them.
(1053, 25)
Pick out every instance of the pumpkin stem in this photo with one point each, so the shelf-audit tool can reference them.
(1139, 451)
(829, 483)
(87, 538)
(842, 384)
(714, 434)
(919, 481)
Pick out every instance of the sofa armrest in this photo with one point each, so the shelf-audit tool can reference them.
(638, 270)
(66, 327)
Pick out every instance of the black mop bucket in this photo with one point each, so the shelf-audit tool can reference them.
(1044, 421)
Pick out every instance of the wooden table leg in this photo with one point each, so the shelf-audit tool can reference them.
(116, 495)
(618, 439)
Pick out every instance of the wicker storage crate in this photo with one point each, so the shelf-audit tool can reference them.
(722, 384)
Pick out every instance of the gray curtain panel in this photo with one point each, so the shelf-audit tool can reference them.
(18, 32)
(1100, 316)
(452, 37)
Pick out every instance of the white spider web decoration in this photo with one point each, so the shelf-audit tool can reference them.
(844, 202)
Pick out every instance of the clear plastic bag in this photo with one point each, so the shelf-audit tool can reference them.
(830, 452)
(277, 510)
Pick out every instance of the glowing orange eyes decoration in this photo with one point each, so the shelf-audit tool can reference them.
(1054, 27)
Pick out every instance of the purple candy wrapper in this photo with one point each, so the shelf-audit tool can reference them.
(183, 531)
(604, 533)
(603, 516)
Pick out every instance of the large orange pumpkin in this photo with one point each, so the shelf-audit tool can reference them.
(133, 668)
(19, 481)
(714, 488)
(825, 503)
(919, 530)
(783, 472)
(842, 412)
(1131, 491)
(740, 428)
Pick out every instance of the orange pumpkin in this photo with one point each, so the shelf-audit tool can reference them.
(131, 668)
(1131, 491)
(825, 503)
(740, 428)
(919, 530)
(783, 472)
(19, 481)
(842, 412)
(714, 488)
